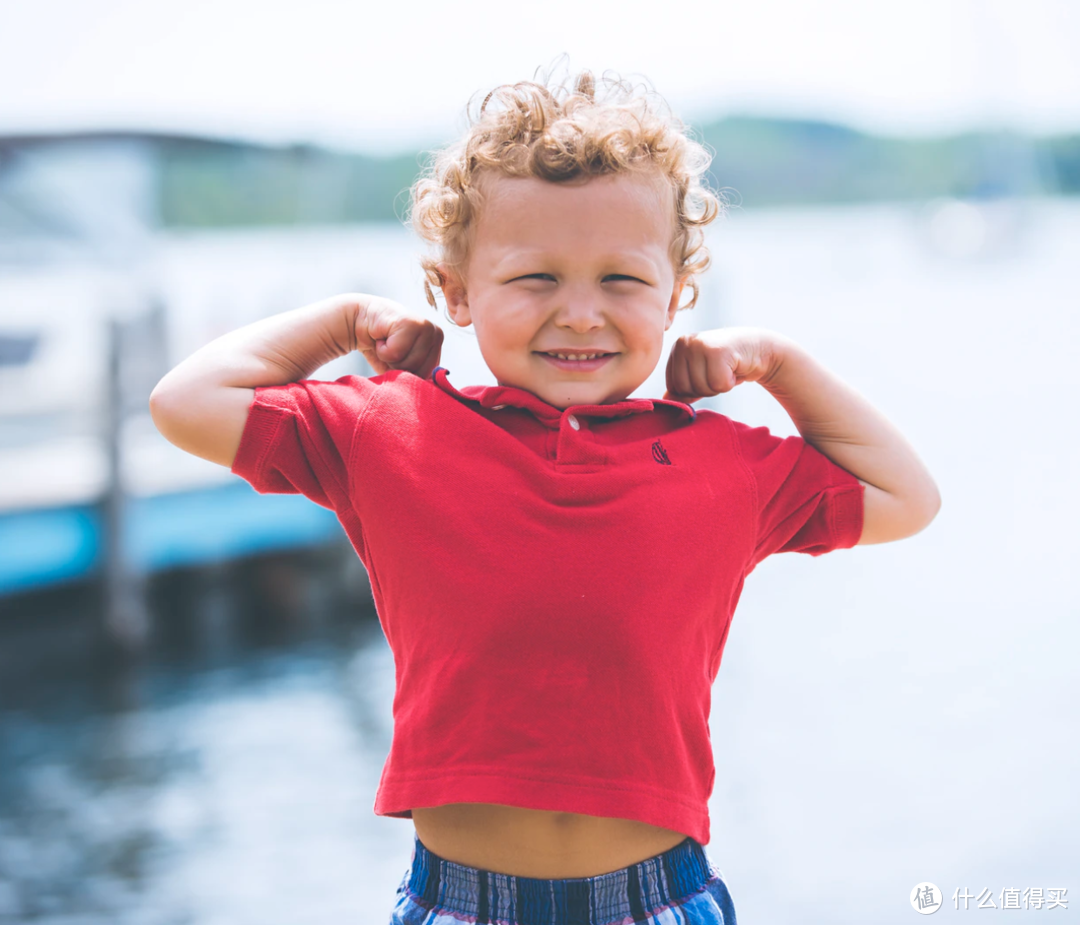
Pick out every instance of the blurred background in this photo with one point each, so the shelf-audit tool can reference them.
(195, 692)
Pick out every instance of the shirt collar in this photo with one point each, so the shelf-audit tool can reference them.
(492, 396)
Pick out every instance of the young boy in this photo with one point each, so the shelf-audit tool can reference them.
(555, 565)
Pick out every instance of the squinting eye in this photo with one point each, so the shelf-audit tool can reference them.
(623, 276)
(536, 276)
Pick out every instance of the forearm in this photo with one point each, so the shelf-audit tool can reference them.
(201, 405)
(849, 430)
(273, 351)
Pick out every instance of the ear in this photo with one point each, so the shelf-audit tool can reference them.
(457, 299)
(673, 305)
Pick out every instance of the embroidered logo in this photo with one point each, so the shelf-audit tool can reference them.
(660, 454)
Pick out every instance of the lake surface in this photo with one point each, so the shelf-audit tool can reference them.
(884, 716)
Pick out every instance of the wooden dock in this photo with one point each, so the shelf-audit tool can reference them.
(104, 497)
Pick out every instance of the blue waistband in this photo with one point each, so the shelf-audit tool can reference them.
(628, 894)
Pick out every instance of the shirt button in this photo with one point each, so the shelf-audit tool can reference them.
(573, 422)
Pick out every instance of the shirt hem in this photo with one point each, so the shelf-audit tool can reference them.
(258, 438)
(847, 515)
(396, 798)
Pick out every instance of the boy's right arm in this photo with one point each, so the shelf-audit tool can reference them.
(202, 404)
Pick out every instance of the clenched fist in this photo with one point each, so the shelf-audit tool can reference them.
(711, 362)
(391, 336)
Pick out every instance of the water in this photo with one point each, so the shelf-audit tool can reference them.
(884, 715)
(229, 779)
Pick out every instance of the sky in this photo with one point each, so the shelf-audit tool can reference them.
(387, 76)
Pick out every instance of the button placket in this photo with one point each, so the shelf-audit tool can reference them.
(574, 445)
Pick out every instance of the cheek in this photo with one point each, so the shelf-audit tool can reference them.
(503, 334)
(647, 328)
(512, 321)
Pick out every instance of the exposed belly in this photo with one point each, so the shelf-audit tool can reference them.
(537, 843)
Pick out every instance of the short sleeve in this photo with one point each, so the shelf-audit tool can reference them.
(805, 502)
(298, 437)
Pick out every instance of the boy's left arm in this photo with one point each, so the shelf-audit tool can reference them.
(900, 497)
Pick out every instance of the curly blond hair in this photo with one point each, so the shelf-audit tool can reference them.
(564, 132)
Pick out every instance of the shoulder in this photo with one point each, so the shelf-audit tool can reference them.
(758, 451)
(336, 407)
(401, 389)
(346, 392)
(399, 401)
(714, 427)
(751, 440)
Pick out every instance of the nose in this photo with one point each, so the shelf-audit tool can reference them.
(580, 310)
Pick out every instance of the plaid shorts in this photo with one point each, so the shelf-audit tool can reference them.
(678, 887)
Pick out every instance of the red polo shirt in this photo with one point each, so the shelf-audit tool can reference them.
(556, 585)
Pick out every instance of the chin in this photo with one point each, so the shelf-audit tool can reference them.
(582, 399)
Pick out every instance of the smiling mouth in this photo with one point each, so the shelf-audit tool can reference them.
(577, 362)
(577, 356)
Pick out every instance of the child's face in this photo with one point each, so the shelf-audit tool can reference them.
(579, 269)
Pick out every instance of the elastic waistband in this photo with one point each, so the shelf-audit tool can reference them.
(631, 894)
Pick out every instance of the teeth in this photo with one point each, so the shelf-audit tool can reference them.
(577, 356)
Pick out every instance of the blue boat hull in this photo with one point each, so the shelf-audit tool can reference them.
(39, 548)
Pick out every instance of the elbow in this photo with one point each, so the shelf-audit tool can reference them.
(889, 517)
(931, 505)
(165, 409)
(935, 505)
(159, 402)
(155, 401)
(922, 512)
